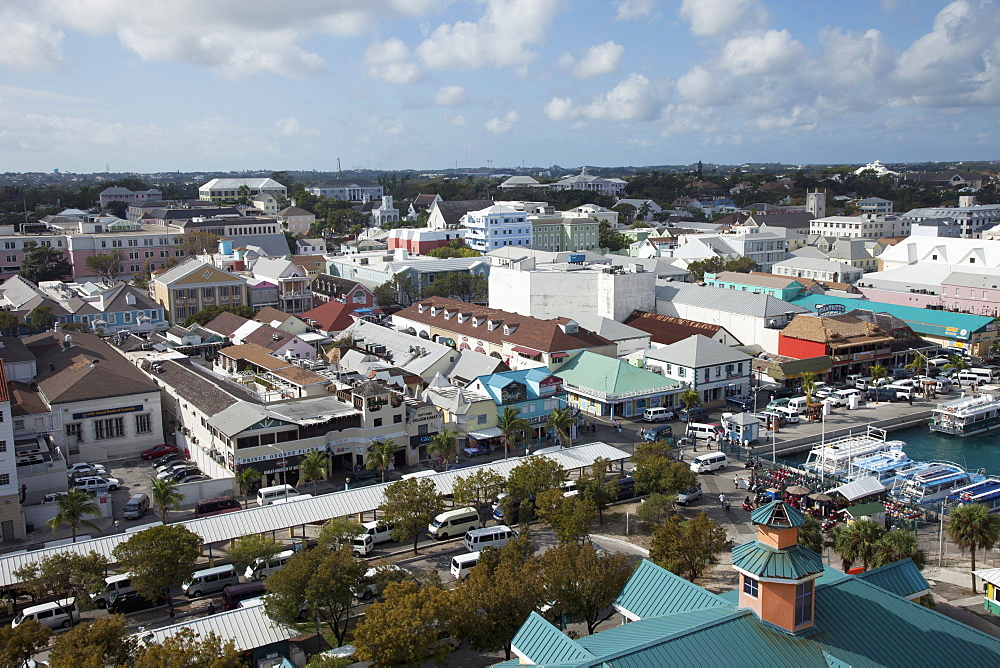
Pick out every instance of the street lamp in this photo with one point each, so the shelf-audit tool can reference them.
(282, 460)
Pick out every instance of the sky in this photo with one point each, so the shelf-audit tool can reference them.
(202, 85)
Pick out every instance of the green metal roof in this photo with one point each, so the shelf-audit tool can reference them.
(607, 375)
(653, 591)
(863, 509)
(902, 578)
(793, 563)
(920, 320)
(779, 515)
(546, 644)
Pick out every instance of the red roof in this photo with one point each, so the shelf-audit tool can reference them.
(331, 316)
(4, 393)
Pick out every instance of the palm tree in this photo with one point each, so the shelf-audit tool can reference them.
(313, 467)
(561, 421)
(72, 508)
(877, 372)
(959, 364)
(918, 364)
(899, 544)
(809, 385)
(858, 541)
(973, 526)
(165, 495)
(443, 444)
(811, 535)
(380, 455)
(513, 429)
(245, 479)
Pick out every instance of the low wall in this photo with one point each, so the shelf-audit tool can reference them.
(793, 446)
(206, 489)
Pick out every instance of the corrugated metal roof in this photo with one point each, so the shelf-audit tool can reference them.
(991, 575)
(722, 299)
(318, 509)
(590, 371)
(791, 563)
(545, 644)
(778, 514)
(921, 320)
(902, 578)
(653, 591)
(860, 488)
(249, 627)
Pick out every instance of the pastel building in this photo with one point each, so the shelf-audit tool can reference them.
(612, 388)
(533, 392)
(496, 226)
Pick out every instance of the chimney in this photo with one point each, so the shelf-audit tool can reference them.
(93, 363)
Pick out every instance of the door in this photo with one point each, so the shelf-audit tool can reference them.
(7, 527)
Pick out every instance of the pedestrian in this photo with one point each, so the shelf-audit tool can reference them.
(722, 500)
(593, 426)
(736, 479)
(171, 615)
(211, 608)
(910, 398)
(726, 505)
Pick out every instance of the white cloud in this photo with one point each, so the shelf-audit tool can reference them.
(637, 98)
(703, 87)
(502, 124)
(599, 59)
(718, 17)
(28, 43)
(290, 127)
(502, 37)
(851, 58)
(450, 96)
(457, 121)
(771, 52)
(801, 119)
(389, 62)
(630, 10)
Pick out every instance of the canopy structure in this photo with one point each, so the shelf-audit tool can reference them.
(860, 488)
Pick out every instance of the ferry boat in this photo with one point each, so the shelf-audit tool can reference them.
(837, 457)
(912, 481)
(986, 492)
(967, 416)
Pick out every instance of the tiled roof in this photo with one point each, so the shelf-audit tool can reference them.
(452, 212)
(331, 316)
(269, 314)
(205, 392)
(225, 323)
(761, 280)
(540, 335)
(793, 563)
(588, 370)
(254, 354)
(12, 349)
(293, 211)
(25, 399)
(665, 329)
(269, 337)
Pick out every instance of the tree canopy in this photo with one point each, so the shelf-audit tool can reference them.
(65, 575)
(44, 263)
(655, 472)
(581, 582)
(687, 547)
(100, 642)
(533, 476)
(406, 627)
(209, 313)
(108, 266)
(409, 506)
(21, 642)
(159, 558)
(461, 285)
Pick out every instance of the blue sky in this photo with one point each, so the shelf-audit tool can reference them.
(258, 84)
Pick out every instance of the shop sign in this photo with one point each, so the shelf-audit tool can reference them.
(421, 439)
(831, 309)
(104, 412)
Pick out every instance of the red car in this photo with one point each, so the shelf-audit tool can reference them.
(158, 451)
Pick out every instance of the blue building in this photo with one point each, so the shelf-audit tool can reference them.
(534, 392)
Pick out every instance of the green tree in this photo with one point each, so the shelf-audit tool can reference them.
(245, 550)
(655, 508)
(610, 238)
(319, 585)
(65, 575)
(596, 487)
(687, 547)
(655, 473)
(690, 398)
(876, 371)
(626, 213)
(100, 642)
(478, 489)
(405, 627)
(460, 285)
(918, 364)
(187, 648)
(380, 455)
(699, 268)
(245, 479)
(561, 421)
(455, 248)
(567, 515)
(810, 535)
(513, 429)
(409, 506)
(898, 544)
(959, 364)
(117, 209)
(165, 496)
(581, 583)
(339, 531)
(43, 263)
(108, 266)
(443, 445)
(312, 467)
(973, 526)
(533, 476)
(71, 509)
(742, 265)
(159, 558)
(209, 313)
(8, 323)
(809, 381)
(21, 642)
(386, 294)
(41, 319)
(858, 541)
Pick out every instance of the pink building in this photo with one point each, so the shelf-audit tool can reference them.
(421, 240)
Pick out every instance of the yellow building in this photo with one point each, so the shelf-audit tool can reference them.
(189, 287)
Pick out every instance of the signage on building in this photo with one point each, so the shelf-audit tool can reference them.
(104, 412)
(831, 309)
(866, 355)
(422, 439)
(536, 420)
(550, 385)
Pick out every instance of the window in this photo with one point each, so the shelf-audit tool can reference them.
(422, 429)
(3, 446)
(378, 422)
(143, 425)
(804, 602)
(223, 290)
(133, 242)
(149, 253)
(111, 428)
(4, 478)
(396, 419)
(73, 430)
(681, 372)
(127, 316)
(207, 293)
(18, 424)
(750, 587)
(481, 419)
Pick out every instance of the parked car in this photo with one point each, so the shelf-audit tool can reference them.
(742, 402)
(767, 417)
(158, 451)
(687, 497)
(94, 483)
(785, 392)
(52, 497)
(167, 470)
(173, 457)
(81, 469)
(179, 474)
(194, 477)
(695, 414)
(130, 601)
(843, 397)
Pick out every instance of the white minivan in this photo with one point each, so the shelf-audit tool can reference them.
(658, 414)
(260, 569)
(462, 564)
(454, 523)
(48, 614)
(706, 430)
(267, 495)
(496, 537)
(712, 461)
(380, 533)
(113, 586)
(210, 581)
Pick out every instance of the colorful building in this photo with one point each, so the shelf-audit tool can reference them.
(605, 386)
(533, 392)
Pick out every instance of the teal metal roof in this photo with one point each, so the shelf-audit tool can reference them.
(902, 578)
(779, 515)
(653, 591)
(863, 509)
(590, 371)
(920, 320)
(793, 563)
(546, 644)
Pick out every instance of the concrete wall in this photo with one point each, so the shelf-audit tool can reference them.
(206, 489)
(747, 329)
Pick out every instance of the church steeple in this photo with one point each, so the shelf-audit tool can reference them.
(777, 576)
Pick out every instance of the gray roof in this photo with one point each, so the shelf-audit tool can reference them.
(606, 327)
(452, 212)
(19, 291)
(730, 301)
(274, 245)
(470, 365)
(208, 394)
(424, 265)
(249, 628)
(965, 280)
(814, 264)
(697, 351)
(401, 347)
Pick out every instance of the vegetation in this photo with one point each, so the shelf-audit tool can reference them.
(597, 487)
(339, 531)
(65, 575)
(72, 508)
(690, 398)
(409, 506)
(580, 582)
(461, 285)
(41, 319)
(43, 263)
(714, 265)
(209, 313)
(811, 535)
(108, 266)
(443, 445)
(561, 421)
(655, 472)
(533, 476)
(513, 429)
(405, 628)
(973, 526)
(455, 248)
(876, 371)
(165, 496)
(478, 489)
(246, 478)
(20, 643)
(247, 549)
(655, 508)
(104, 641)
(899, 544)
(312, 468)
(567, 515)
(959, 364)
(159, 558)
(185, 648)
(809, 380)
(8, 324)
(380, 455)
(858, 541)
(687, 547)
(610, 238)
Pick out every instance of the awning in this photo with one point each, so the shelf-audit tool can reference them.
(525, 351)
(558, 355)
(489, 432)
(860, 488)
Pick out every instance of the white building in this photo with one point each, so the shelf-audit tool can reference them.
(11, 521)
(220, 190)
(864, 226)
(266, 202)
(496, 226)
(817, 270)
(712, 369)
(816, 203)
(875, 205)
(973, 218)
(296, 220)
(350, 190)
(586, 181)
(294, 293)
(384, 212)
(120, 194)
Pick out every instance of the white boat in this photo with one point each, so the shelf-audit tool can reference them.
(837, 457)
(967, 415)
(928, 482)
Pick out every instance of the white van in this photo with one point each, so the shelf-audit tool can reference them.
(705, 430)
(657, 414)
(903, 392)
(462, 564)
(380, 533)
(362, 545)
(711, 461)
(210, 581)
(136, 507)
(497, 537)
(790, 414)
(975, 376)
(798, 404)
(454, 523)
(857, 380)
(291, 499)
(113, 585)
(267, 495)
(261, 569)
(48, 614)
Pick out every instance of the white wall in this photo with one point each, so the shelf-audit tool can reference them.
(129, 445)
(747, 329)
